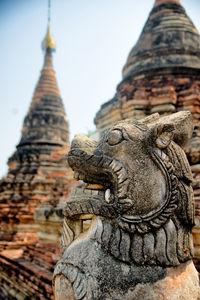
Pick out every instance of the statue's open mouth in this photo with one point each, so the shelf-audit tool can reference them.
(87, 200)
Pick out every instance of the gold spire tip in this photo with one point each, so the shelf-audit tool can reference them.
(48, 41)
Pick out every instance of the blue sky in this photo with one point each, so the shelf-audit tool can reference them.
(93, 39)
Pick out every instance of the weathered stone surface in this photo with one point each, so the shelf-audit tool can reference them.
(181, 283)
(161, 75)
(139, 240)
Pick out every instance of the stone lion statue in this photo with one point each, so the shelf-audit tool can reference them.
(138, 199)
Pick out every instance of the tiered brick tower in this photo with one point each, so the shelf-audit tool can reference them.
(31, 194)
(162, 74)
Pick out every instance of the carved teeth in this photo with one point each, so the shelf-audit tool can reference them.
(116, 166)
(113, 164)
(106, 162)
(107, 195)
(122, 179)
(121, 176)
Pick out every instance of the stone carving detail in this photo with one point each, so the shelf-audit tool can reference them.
(139, 199)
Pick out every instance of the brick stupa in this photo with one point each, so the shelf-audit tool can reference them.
(32, 193)
(162, 74)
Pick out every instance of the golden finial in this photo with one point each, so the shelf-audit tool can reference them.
(48, 41)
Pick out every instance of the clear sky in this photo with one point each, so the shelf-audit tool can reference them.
(93, 39)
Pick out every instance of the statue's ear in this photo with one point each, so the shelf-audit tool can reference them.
(162, 134)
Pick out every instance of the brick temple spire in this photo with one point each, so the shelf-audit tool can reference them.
(38, 171)
(46, 110)
(168, 39)
(169, 44)
(47, 81)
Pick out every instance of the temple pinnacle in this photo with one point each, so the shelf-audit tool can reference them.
(48, 41)
(159, 2)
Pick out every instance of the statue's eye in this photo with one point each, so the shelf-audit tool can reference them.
(115, 137)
